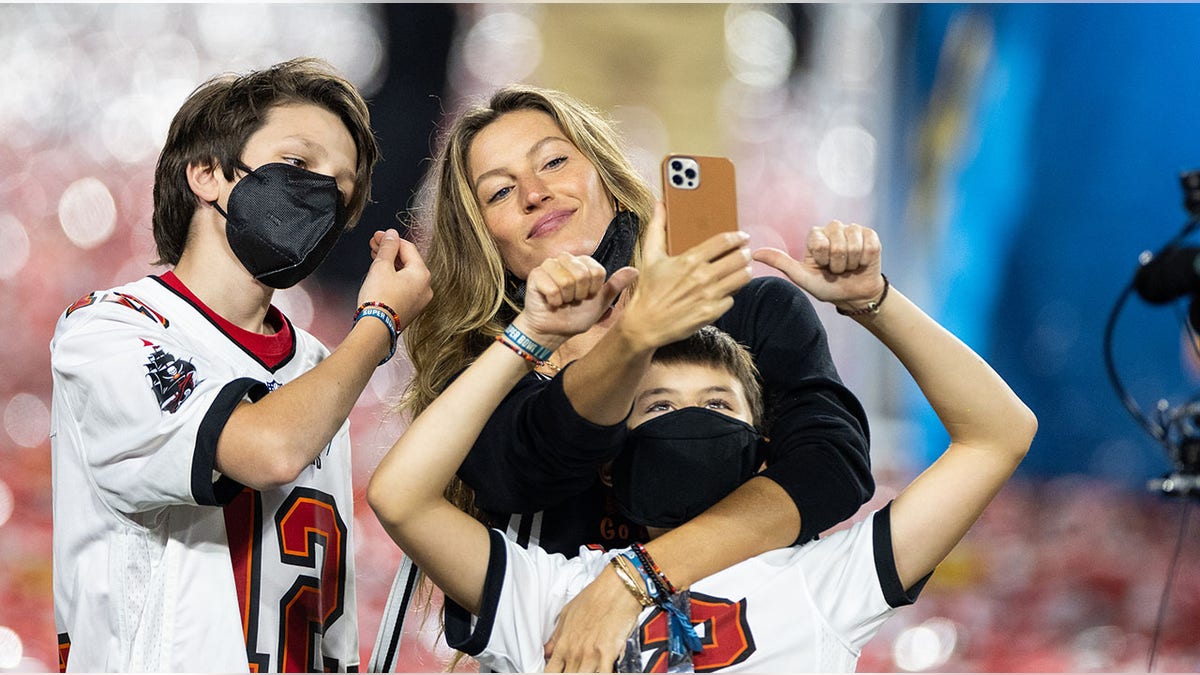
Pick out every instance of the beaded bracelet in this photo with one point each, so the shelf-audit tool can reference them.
(388, 321)
(527, 343)
(518, 351)
(653, 589)
(384, 307)
(661, 579)
(872, 307)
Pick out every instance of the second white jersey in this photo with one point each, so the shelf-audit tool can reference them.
(160, 562)
(807, 608)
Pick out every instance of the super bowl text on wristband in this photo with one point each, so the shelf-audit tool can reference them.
(388, 321)
(527, 343)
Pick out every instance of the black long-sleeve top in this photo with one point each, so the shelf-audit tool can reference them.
(534, 466)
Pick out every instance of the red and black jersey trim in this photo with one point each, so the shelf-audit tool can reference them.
(205, 312)
(458, 620)
(885, 563)
(204, 459)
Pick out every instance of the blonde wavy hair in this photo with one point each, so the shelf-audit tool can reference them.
(472, 301)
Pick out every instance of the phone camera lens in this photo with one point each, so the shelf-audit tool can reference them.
(677, 179)
(690, 173)
(676, 165)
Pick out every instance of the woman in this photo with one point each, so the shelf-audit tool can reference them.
(536, 174)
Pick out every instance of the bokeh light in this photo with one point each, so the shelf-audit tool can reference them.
(759, 48)
(926, 646)
(502, 47)
(846, 160)
(87, 212)
(11, 649)
(14, 246)
(26, 420)
(6, 503)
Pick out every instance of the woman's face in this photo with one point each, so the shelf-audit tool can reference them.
(540, 196)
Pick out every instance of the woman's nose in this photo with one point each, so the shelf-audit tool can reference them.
(534, 192)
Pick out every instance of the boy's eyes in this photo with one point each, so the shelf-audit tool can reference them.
(711, 404)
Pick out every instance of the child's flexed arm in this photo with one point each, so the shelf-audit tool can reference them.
(990, 428)
(564, 296)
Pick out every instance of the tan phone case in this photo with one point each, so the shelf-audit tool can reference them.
(700, 195)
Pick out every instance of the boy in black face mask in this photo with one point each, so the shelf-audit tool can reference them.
(805, 608)
(202, 470)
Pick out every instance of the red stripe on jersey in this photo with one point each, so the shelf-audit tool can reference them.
(270, 349)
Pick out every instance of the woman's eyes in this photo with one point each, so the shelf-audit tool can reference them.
(504, 191)
(719, 404)
(659, 406)
(296, 161)
(499, 194)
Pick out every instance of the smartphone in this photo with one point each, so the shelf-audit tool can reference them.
(700, 195)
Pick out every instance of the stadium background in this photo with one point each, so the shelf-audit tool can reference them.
(1016, 159)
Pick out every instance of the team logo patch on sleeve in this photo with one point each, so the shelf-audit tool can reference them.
(122, 299)
(85, 301)
(172, 380)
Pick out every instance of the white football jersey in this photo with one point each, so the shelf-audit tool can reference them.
(160, 562)
(807, 608)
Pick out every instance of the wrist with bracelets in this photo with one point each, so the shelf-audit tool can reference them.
(390, 319)
(872, 307)
(524, 346)
(650, 587)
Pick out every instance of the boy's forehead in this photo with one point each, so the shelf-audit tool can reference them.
(687, 376)
(312, 128)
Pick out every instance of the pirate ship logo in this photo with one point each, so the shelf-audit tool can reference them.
(172, 380)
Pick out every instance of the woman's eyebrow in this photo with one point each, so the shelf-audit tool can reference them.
(533, 150)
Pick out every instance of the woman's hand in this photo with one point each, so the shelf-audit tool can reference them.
(592, 627)
(678, 294)
(565, 295)
(842, 265)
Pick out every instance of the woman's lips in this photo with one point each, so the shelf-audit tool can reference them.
(549, 223)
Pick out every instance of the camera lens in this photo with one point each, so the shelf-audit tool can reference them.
(676, 164)
(677, 179)
(690, 173)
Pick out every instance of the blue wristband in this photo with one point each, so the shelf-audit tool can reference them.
(525, 342)
(387, 320)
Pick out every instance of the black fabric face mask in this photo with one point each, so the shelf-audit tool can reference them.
(614, 251)
(282, 222)
(675, 466)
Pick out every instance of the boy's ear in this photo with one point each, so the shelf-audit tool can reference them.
(204, 181)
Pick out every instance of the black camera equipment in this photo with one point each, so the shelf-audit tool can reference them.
(1171, 273)
(1168, 275)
